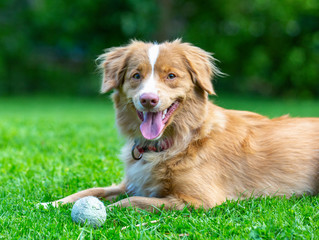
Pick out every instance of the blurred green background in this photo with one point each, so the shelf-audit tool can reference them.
(267, 47)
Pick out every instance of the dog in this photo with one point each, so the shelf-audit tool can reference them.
(182, 150)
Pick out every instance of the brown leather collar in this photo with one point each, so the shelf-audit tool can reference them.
(157, 146)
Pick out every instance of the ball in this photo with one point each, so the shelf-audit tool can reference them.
(89, 210)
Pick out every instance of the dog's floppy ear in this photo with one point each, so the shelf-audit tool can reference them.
(113, 64)
(201, 66)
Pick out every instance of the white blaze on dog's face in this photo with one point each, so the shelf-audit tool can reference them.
(149, 86)
(157, 79)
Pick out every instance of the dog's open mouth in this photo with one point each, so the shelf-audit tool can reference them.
(153, 123)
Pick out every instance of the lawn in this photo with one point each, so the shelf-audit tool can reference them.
(51, 147)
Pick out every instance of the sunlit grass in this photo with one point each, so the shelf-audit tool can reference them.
(52, 147)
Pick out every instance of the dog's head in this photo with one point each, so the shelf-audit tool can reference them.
(157, 85)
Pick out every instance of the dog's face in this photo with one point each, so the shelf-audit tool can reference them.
(155, 81)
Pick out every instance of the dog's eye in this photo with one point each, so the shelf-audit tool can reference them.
(171, 76)
(137, 76)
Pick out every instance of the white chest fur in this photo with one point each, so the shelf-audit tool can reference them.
(141, 181)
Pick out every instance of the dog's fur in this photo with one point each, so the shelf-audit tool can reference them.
(216, 154)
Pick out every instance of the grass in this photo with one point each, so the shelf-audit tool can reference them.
(52, 147)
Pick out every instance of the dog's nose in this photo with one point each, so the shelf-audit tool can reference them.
(149, 100)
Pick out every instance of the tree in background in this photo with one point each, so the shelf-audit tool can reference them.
(266, 46)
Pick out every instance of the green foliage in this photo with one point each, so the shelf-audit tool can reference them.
(50, 148)
(268, 47)
(51, 45)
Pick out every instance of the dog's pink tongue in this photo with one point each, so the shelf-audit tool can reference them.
(152, 125)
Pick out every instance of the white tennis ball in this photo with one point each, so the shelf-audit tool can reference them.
(89, 210)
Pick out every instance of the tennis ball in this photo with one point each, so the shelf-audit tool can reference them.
(89, 210)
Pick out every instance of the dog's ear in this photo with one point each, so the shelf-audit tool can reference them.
(201, 66)
(113, 64)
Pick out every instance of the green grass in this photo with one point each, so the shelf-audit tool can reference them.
(52, 147)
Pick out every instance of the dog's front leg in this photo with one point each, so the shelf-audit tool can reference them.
(149, 203)
(108, 193)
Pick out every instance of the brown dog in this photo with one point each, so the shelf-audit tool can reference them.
(183, 150)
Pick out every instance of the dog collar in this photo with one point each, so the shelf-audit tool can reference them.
(158, 146)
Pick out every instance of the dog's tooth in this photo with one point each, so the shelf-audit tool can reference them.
(144, 115)
(164, 113)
